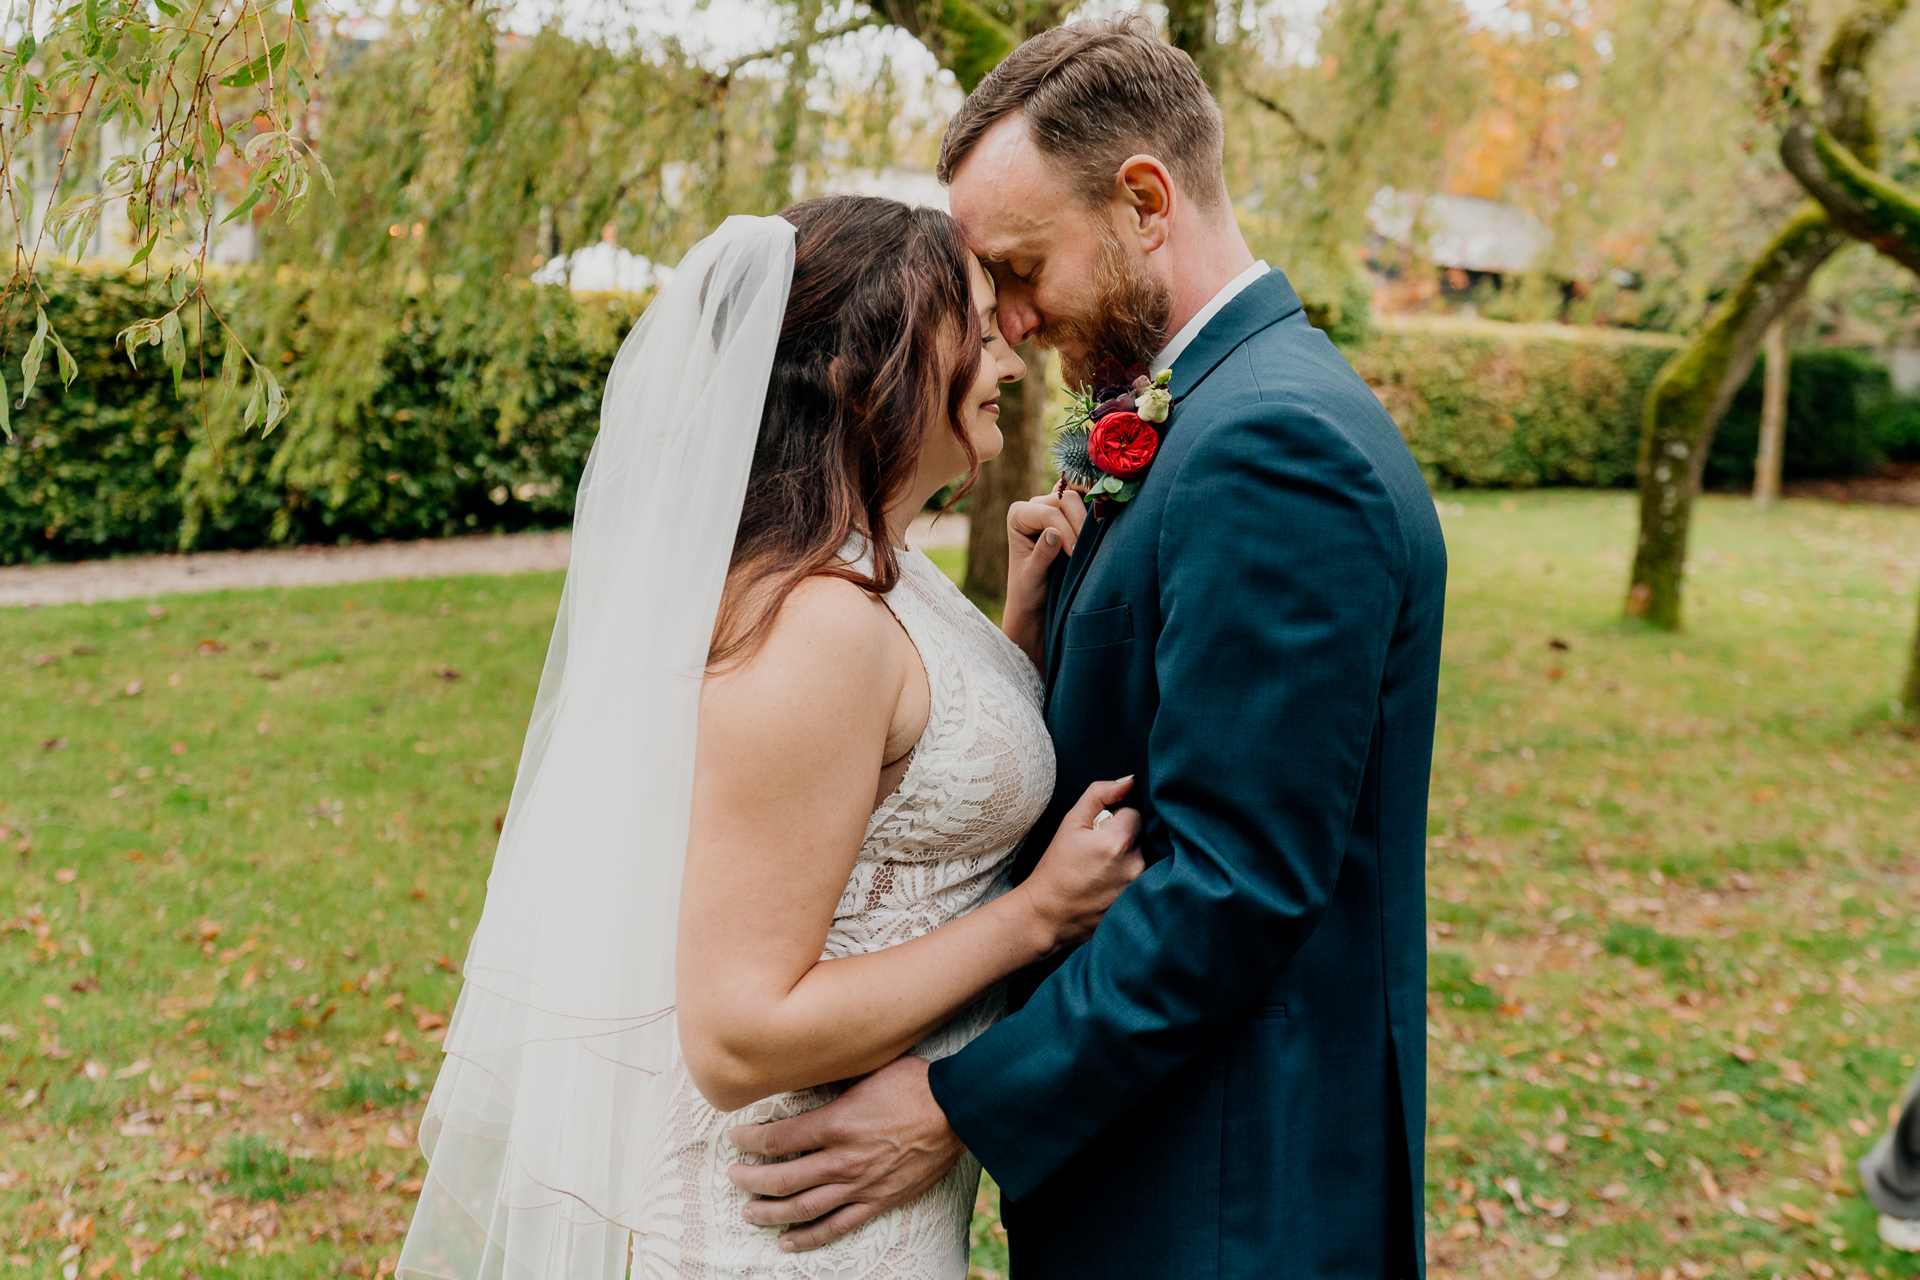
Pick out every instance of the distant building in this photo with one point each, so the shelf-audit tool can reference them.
(1464, 236)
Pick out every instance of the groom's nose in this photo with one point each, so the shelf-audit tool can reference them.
(1019, 318)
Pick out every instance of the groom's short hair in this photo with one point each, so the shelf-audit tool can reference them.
(1094, 93)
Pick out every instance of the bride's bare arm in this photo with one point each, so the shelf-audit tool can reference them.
(791, 746)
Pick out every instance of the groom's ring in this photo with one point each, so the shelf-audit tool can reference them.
(1104, 815)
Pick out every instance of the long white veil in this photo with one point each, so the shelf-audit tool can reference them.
(557, 1057)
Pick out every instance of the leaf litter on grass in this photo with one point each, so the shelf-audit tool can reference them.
(1672, 910)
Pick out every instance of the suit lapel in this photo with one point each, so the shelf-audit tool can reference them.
(1077, 563)
(1265, 302)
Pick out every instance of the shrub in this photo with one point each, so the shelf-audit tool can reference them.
(94, 469)
(407, 423)
(1840, 413)
(1896, 428)
(1486, 405)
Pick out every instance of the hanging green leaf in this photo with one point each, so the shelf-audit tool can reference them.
(69, 368)
(6, 415)
(230, 371)
(172, 349)
(276, 403)
(257, 70)
(254, 193)
(30, 362)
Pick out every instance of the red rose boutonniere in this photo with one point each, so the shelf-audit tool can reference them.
(1109, 441)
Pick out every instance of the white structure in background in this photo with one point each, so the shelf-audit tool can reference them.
(113, 241)
(607, 268)
(603, 268)
(1903, 363)
(909, 186)
(1460, 231)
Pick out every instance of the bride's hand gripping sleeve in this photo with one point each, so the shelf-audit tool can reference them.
(1282, 565)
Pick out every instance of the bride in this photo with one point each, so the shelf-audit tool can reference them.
(775, 775)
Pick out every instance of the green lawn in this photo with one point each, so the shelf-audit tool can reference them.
(1675, 903)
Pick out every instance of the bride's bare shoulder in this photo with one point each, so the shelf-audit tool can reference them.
(828, 635)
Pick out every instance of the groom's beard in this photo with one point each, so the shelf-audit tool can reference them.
(1130, 314)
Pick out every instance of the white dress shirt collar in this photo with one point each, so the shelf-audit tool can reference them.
(1192, 328)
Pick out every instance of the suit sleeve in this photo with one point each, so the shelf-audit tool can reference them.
(1281, 570)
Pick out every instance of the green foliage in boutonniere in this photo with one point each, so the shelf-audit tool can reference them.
(1108, 441)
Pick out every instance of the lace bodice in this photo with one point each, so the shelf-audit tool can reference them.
(936, 848)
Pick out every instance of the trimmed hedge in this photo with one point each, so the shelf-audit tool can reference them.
(1842, 420)
(406, 425)
(1486, 405)
(412, 423)
(92, 470)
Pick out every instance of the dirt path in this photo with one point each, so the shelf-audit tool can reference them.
(144, 576)
(1896, 484)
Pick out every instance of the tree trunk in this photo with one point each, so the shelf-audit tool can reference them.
(1693, 391)
(1019, 472)
(1773, 419)
(1910, 695)
(1190, 29)
(1835, 163)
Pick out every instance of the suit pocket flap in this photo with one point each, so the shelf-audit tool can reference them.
(1099, 626)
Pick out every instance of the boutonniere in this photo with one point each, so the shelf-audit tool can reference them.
(1108, 440)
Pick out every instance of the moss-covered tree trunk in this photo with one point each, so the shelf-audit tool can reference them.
(1910, 692)
(1019, 472)
(1835, 157)
(1687, 400)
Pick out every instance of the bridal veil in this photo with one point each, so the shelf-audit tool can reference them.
(559, 1050)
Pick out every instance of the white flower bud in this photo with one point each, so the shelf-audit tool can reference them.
(1153, 404)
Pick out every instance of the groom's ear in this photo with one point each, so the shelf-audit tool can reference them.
(1145, 192)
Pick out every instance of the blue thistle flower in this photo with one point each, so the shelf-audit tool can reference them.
(1070, 456)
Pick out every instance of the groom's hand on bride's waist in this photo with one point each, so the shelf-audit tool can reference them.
(878, 1146)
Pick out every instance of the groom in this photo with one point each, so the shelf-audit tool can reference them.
(1228, 1080)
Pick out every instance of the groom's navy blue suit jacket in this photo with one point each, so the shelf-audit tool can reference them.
(1228, 1080)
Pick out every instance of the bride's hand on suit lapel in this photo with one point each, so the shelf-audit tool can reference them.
(1039, 531)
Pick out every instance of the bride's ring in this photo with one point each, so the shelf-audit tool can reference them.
(1104, 815)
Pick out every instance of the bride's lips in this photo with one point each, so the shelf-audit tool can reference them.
(991, 406)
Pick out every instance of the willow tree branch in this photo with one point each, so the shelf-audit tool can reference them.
(1867, 205)
(1835, 155)
(1292, 121)
(799, 43)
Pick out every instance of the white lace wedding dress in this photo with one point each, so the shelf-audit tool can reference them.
(938, 847)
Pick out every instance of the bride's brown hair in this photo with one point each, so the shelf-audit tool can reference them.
(881, 299)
